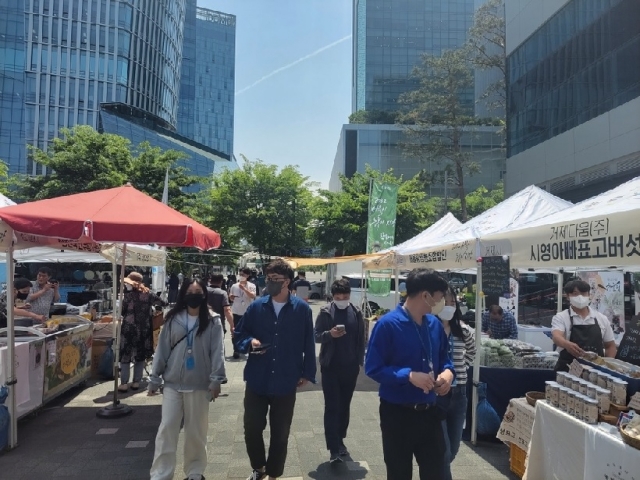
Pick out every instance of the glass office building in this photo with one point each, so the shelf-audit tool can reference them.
(206, 111)
(388, 38)
(580, 64)
(61, 59)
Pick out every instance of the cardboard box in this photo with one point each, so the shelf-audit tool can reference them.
(97, 349)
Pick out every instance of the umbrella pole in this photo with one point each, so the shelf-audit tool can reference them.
(117, 409)
(11, 361)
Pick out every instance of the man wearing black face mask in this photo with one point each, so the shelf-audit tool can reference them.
(21, 309)
(277, 330)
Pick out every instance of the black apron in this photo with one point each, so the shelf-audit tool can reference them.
(587, 337)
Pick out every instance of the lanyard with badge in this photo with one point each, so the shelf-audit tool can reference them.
(426, 351)
(190, 361)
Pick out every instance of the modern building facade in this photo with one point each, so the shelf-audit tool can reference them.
(573, 113)
(380, 147)
(61, 59)
(388, 38)
(206, 111)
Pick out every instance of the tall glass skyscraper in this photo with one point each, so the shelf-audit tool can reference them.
(61, 59)
(388, 38)
(206, 111)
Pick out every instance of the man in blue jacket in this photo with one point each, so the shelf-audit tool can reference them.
(408, 356)
(277, 332)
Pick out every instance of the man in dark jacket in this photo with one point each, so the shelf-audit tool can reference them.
(340, 329)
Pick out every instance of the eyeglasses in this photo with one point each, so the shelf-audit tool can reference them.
(276, 279)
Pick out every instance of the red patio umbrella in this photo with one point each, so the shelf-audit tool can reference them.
(116, 215)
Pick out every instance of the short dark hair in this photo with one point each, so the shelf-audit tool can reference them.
(20, 283)
(217, 278)
(425, 279)
(301, 273)
(246, 271)
(496, 309)
(340, 286)
(46, 270)
(581, 285)
(281, 267)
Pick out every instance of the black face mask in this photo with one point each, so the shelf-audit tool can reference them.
(21, 296)
(193, 300)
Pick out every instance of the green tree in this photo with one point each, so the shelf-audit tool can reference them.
(478, 201)
(4, 179)
(487, 50)
(340, 218)
(84, 160)
(373, 117)
(267, 207)
(436, 117)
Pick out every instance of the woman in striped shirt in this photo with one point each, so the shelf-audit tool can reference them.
(462, 350)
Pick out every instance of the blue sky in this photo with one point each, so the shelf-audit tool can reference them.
(293, 117)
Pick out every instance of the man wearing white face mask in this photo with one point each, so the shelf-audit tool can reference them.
(581, 329)
(340, 331)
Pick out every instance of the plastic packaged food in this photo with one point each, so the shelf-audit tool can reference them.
(604, 400)
(563, 394)
(590, 411)
(619, 392)
(571, 402)
(552, 393)
(578, 410)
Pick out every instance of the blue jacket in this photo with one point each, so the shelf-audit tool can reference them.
(291, 354)
(395, 350)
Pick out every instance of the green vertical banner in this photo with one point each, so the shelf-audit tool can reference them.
(381, 232)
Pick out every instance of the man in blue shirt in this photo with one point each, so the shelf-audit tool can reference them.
(499, 324)
(408, 356)
(277, 331)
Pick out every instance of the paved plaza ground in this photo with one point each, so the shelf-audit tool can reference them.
(66, 440)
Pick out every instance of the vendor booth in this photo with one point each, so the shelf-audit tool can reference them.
(86, 222)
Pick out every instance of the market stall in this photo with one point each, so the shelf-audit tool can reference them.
(84, 222)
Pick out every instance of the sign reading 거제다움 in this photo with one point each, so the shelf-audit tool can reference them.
(381, 231)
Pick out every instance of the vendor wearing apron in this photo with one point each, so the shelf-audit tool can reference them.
(586, 329)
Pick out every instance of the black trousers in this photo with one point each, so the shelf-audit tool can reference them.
(338, 385)
(280, 410)
(407, 433)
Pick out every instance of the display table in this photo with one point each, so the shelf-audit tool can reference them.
(565, 448)
(503, 384)
(517, 423)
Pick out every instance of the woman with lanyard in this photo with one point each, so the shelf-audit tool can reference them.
(190, 360)
(462, 350)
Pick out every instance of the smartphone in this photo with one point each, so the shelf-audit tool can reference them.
(261, 348)
(340, 327)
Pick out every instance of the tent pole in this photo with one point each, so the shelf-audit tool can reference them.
(397, 290)
(476, 360)
(117, 409)
(11, 349)
(560, 287)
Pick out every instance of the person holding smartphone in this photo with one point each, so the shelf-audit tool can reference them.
(340, 331)
(44, 293)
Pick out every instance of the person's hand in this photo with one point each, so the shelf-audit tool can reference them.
(337, 333)
(215, 391)
(26, 306)
(442, 384)
(424, 381)
(255, 343)
(42, 318)
(152, 393)
(302, 382)
(47, 287)
(574, 349)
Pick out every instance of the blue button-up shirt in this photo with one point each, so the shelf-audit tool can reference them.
(395, 350)
(292, 352)
(506, 328)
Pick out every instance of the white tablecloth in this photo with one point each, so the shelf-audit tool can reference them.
(563, 448)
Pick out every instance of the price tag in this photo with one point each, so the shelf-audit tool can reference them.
(634, 403)
(576, 368)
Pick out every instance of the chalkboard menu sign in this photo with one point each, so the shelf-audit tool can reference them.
(495, 279)
(629, 349)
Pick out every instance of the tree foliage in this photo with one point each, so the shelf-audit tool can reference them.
(4, 179)
(84, 160)
(436, 116)
(374, 117)
(266, 206)
(487, 49)
(340, 218)
(478, 201)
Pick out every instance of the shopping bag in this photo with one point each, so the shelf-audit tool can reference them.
(105, 369)
(488, 420)
(4, 419)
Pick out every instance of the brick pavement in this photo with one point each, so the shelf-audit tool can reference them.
(66, 439)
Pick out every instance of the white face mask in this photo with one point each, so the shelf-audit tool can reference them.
(341, 304)
(581, 301)
(437, 308)
(447, 313)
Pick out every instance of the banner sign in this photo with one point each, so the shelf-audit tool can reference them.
(607, 297)
(381, 232)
